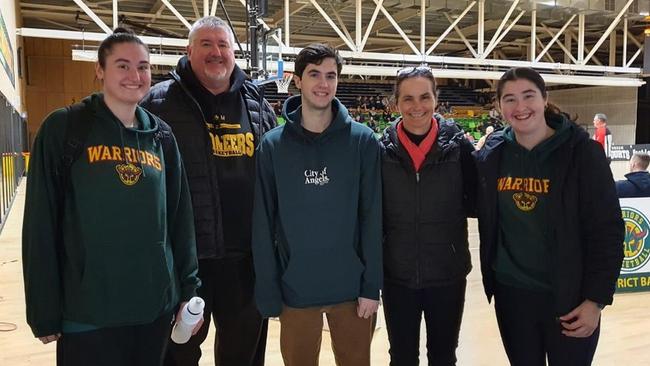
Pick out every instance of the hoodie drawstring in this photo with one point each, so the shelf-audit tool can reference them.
(137, 154)
(137, 141)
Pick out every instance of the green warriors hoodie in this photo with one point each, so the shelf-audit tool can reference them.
(128, 252)
(524, 185)
(317, 214)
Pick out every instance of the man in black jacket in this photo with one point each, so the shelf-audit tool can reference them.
(218, 117)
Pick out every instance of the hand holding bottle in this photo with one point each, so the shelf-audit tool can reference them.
(188, 320)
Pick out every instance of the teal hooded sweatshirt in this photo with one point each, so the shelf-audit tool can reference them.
(317, 214)
(128, 254)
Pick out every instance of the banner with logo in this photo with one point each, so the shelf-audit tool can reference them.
(635, 270)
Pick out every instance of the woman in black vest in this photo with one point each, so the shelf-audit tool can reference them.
(428, 191)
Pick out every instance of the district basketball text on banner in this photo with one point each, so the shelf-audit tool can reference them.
(635, 270)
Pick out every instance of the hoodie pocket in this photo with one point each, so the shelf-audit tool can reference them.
(322, 276)
(124, 283)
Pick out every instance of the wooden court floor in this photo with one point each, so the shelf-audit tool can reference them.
(624, 340)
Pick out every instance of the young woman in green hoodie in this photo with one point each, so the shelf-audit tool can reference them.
(550, 228)
(108, 238)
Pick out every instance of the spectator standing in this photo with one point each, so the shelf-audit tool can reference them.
(602, 133)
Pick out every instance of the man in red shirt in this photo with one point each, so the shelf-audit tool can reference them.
(602, 134)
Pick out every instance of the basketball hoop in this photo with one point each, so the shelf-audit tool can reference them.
(283, 84)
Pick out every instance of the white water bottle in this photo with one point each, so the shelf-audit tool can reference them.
(191, 314)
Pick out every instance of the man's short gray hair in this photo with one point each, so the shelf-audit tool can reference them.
(642, 160)
(212, 22)
(601, 116)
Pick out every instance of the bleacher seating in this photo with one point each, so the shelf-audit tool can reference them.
(347, 93)
(458, 96)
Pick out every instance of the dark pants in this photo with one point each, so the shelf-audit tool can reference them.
(227, 289)
(443, 311)
(530, 331)
(136, 345)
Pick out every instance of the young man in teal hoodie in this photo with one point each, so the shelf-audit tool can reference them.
(317, 220)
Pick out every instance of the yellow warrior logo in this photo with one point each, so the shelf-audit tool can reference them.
(524, 201)
(129, 174)
(526, 190)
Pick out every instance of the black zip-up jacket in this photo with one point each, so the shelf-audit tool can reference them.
(425, 213)
(584, 218)
(172, 101)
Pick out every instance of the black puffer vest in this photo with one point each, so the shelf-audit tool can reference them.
(173, 102)
(425, 218)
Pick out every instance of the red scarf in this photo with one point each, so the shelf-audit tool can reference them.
(418, 152)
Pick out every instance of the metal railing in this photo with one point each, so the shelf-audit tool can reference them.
(13, 148)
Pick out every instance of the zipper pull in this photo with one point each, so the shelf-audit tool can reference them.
(417, 177)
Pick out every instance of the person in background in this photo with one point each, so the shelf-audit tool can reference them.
(377, 102)
(440, 108)
(386, 116)
(481, 141)
(429, 185)
(494, 112)
(108, 235)
(357, 102)
(277, 108)
(550, 228)
(365, 102)
(385, 103)
(637, 181)
(469, 137)
(602, 133)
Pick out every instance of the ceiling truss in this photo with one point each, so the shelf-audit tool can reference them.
(478, 38)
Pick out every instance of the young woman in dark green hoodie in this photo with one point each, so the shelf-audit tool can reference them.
(108, 240)
(550, 228)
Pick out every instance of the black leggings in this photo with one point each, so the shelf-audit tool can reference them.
(136, 345)
(443, 310)
(531, 333)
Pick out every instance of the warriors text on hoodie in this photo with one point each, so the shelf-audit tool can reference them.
(128, 251)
